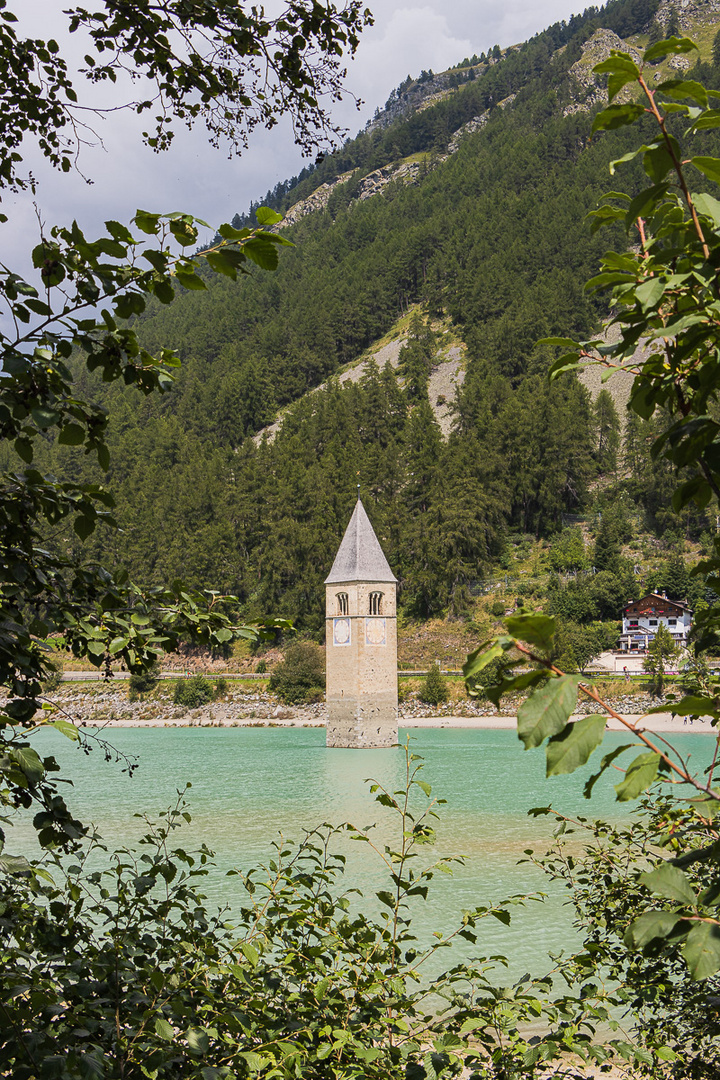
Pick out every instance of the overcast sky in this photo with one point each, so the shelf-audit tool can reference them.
(195, 178)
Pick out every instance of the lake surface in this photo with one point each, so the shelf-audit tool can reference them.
(249, 785)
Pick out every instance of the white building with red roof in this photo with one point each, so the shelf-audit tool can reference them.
(641, 619)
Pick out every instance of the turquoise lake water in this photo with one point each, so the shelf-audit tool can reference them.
(249, 785)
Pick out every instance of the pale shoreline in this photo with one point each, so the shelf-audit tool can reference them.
(659, 723)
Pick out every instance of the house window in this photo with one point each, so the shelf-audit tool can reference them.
(633, 624)
(672, 622)
(375, 603)
(653, 622)
(342, 599)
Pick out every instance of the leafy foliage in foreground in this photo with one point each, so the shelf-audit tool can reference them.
(213, 62)
(665, 295)
(79, 322)
(50, 588)
(670, 1016)
(124, 972)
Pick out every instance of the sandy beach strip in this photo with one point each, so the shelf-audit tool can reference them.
(661, 723)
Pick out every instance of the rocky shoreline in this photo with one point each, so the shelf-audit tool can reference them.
(102, 705)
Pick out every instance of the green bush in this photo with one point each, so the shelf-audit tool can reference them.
(53, 677)
(193, 692)
(261, 667)
(433, 689)
(300, 678)
(144, 682)
(497, 609)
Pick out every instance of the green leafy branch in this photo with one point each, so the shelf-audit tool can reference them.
(546, 717)
(665, 297)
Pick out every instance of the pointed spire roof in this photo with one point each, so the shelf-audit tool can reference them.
(360, 557)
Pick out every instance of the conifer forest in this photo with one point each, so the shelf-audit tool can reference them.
(490, 247)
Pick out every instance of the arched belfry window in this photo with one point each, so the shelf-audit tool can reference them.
(342, 599)
(375, 606)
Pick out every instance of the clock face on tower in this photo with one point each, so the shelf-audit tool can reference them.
(375, 632)
(341, 631)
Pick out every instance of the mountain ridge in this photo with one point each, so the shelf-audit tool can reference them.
(490, 242)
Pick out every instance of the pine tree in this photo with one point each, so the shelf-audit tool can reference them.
(607, 546)
(433, 690)
(716, 50)
(607, 433)
(416, 357)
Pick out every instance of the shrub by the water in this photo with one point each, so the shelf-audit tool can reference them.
(300, 677)
(144, 682)
(193, 692)
(53, 678)
(434, 689)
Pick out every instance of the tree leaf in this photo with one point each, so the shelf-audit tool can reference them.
(24, 449)
(534, 628)
(702, 950)
(708, 166)
(266, 217)
(72, 435)
(708, 206)
(666, 880)
(66, 728)
(229, 233)
(84, 526)
(198, 1041)
(618, 64)
(673, 45)
(650, 292)
(570, 749)
(604, 765)
(147, 223)
(547, 711)
(190, 280)
(685, 90)
(250, 953)
(639, 775)
(163, 1029)
(648, 927)
(263, 253)
(29, 762)
(692, 705)
(480, 659)
(616, 116)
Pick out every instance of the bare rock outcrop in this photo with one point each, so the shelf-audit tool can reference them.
(446, 377)
(688, 12)
(317, 201)
(590, 88)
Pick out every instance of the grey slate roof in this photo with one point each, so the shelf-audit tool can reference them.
(360, 557)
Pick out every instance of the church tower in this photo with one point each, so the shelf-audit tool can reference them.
(361, 641)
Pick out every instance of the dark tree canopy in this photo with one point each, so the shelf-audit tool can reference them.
(227, 64)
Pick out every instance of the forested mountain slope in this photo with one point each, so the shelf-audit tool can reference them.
(486, 232)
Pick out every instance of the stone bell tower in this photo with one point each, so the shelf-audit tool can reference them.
(361, 641)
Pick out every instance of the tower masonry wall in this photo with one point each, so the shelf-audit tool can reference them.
(361, 649)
